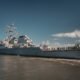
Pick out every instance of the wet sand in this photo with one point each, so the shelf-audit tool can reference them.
(27, 68)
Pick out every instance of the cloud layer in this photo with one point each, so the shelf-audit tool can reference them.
(74, 34)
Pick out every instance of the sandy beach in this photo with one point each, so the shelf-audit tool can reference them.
(29, 68)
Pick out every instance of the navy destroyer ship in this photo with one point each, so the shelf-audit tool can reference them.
(23, 46)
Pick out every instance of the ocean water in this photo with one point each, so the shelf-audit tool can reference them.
(31, 68)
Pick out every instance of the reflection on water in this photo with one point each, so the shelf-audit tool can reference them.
(23, 68)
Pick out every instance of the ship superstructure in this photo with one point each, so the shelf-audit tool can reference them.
(14, 41)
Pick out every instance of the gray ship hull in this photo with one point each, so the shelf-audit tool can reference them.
(37, 52)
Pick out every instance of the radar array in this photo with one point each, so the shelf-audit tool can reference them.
(10, 31)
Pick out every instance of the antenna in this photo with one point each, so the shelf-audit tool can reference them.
(11, 31)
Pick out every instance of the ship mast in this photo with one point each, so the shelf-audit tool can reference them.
(11, 31)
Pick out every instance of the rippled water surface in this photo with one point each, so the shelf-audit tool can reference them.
(27, 68)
